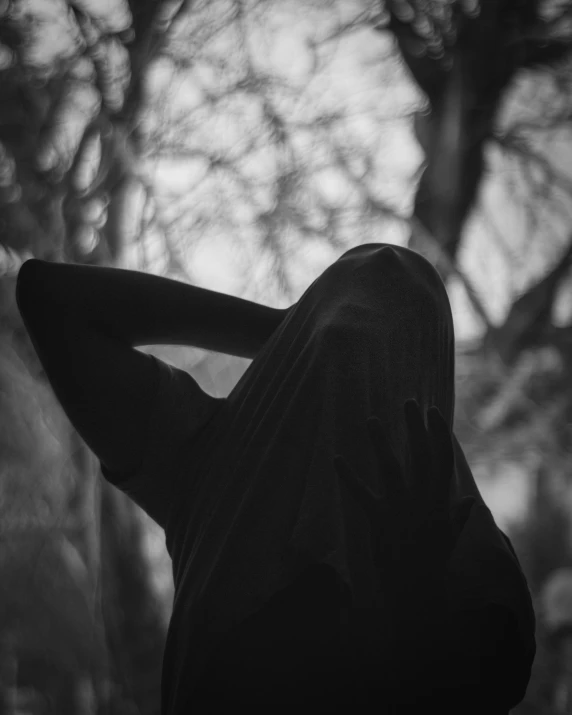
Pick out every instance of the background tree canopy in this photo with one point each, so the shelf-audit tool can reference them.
(244, 145)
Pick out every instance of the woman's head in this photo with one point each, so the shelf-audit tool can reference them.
(388, 308)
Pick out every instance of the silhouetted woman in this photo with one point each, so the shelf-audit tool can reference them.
(321, 558)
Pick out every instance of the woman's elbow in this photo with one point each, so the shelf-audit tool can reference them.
(28, 283)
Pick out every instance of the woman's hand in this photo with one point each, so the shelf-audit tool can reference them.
(413, 530)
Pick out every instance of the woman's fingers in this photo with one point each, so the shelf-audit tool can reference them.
(390, 474)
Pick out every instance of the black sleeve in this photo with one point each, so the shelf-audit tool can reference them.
(181, 410)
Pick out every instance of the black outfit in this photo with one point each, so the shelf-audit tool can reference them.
(270, 554)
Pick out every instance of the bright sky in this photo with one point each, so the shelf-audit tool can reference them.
(360, 80)
(356, 77)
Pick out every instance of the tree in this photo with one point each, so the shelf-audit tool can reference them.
(274, 160)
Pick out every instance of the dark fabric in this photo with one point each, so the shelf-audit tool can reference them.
(302, 647)
(252, 495)
(295, 650)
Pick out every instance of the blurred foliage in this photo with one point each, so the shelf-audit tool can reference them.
(160, 135)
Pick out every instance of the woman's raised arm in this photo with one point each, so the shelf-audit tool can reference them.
(85, 323)
(142, 309)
